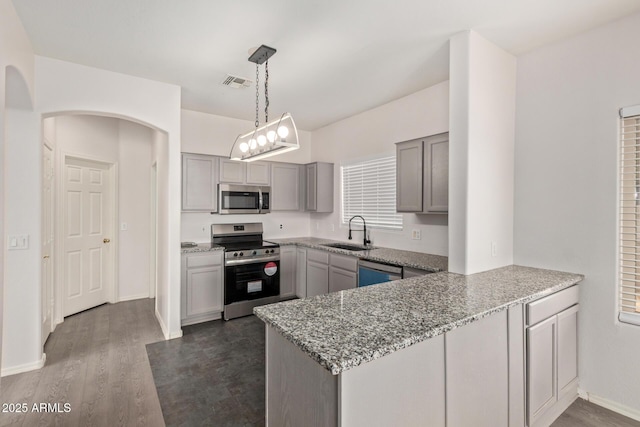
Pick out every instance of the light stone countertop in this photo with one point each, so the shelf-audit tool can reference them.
(202, 247)
(342, 330)
(399, 257)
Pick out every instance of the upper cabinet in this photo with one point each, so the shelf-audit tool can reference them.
(285, 186)
(422, 177)
(319, 187)
(199, 182)
(252, 173)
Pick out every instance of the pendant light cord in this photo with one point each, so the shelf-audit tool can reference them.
(257, 93)
(266, 91)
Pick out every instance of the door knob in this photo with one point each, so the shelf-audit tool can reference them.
(106, 240)
(45, 257)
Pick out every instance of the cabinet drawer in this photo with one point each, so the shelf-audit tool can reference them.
(344, 262)
(195, 261)
(548, 306)
(321, 257)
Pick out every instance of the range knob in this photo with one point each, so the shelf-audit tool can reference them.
(241, 254)
(235, 254)
(254, 252)
(272, 251)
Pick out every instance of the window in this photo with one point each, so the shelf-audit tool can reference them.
(629, 268)
(369, 189)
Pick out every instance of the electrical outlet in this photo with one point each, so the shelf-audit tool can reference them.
(494, 249)
(280, 226)
(416, 234)
(124, 226)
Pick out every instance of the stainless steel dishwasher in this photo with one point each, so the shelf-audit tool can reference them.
(372, 273)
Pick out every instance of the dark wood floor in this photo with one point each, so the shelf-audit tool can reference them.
(97, 362)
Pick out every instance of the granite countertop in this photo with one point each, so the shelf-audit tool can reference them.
(342, 330)
(202, 247)
(399, 257)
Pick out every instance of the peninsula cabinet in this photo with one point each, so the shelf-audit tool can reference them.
(199, 182)
(250, 173)
(202, 290)
(422, 175)
(285, 187)
(287, 272)
(319, 187)
(552, 356)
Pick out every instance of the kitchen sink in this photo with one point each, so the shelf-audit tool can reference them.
(347, 246)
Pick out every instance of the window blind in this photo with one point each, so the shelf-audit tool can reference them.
(369, 189)
(629, 268)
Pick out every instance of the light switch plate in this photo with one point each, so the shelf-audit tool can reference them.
(18, 241)
(416, 234)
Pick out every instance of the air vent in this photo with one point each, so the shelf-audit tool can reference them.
(236, 82)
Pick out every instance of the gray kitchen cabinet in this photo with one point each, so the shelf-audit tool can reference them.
(199, 182)
(287, 271)
(202, 291)
(551, 356)
(250, 173)
(317, 272)
(319, 187)
(285, 187)
(409, 178)
(422, 175)
(301, 272)
(343, 272)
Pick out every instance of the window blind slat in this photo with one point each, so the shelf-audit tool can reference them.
(369, 189)
(629, 237)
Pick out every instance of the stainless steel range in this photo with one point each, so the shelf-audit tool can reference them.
(251, 267)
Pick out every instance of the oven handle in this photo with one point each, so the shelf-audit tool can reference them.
(251, 260)
(259, 200)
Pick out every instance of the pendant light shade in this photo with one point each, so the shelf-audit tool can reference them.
(276, 137)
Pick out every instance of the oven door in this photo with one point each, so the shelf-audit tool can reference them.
(238, 199)
(251, 281)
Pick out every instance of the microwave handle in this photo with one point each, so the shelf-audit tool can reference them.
(259, 200)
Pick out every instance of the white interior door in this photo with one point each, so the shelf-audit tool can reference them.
(47, 241)
(88, 260)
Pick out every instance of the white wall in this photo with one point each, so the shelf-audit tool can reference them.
(160, 156)
(482, 114)
(210, 134)
(128, 145)
(66, 87)
(568, 98)
(16, 89)
(375, 132)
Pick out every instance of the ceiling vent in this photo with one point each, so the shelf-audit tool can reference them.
(236, 82)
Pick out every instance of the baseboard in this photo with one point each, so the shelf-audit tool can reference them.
(24, 368)
(134, 297)
(611, 405)
(167, 335)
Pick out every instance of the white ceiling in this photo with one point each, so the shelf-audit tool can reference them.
(335, 58)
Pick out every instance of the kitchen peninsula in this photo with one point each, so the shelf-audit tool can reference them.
(423, 350)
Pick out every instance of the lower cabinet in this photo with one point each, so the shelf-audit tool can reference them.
(329, 272)
(202, 293)
(317, 278)
(287, 271)
(343, 272)
(552, 357)
(301, 272)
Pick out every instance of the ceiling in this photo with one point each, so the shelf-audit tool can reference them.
(335, 58)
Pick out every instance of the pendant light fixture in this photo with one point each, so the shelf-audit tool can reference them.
(275, 137)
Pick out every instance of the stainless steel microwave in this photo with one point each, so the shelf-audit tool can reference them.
(243, 199)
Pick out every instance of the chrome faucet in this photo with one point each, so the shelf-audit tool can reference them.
(364, 223)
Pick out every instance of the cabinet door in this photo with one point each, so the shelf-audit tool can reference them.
(341, 280)
(541, 368)
(311, 185)
(436, 182)
(301, 272)
(199, 183)
(285, 183)
(567, 351)
(287, 271)
(232, 171)
(409, 176)
(204, 290)
(258, 173)
(317, 279)
(408, 272)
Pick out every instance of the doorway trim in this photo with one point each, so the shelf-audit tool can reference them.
(153, 244)
(112, 287)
